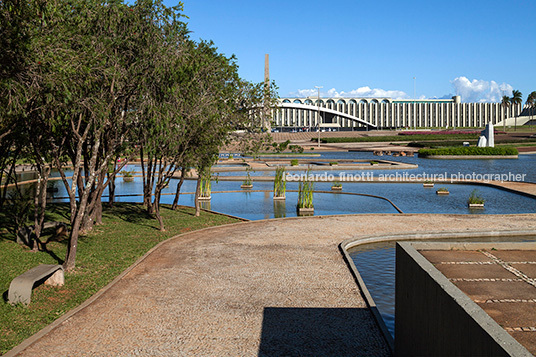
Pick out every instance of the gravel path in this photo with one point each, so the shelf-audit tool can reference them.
(267, 288)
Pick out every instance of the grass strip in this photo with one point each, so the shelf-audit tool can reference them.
(128, 232)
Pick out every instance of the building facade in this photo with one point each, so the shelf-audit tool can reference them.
(387, 113)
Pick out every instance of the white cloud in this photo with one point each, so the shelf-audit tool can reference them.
(480, 91)
(359, 92)
(475, 91)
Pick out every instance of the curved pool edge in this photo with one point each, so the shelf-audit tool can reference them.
(347, 244)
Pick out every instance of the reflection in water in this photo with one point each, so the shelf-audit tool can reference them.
(280, 208)
(204, 204)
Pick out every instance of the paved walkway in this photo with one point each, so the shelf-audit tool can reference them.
(268, 288)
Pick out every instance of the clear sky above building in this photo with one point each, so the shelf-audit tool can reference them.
(474, 48)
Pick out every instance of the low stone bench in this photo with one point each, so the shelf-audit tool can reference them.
(20, 289)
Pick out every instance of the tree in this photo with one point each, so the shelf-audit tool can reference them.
(92, 57)
(505, 103)
(516, 100)
(531, 102)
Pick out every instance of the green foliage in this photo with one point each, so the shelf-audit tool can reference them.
(336, 184)
(389, 138)
(248, 181)
(305, 194)
(374, 162)
(297, 149)
(127, 173)
(280, 184)
(294, 162)
(475, 198)
(332, 163)
(279, 148)
(442, 189)
(205, 187)
(469, 150)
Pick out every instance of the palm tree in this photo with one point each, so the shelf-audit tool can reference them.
(505, 103)
(531, 101)
(517, 98)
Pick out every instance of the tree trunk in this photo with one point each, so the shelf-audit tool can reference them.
(40, 204)
(156, 209)
(197, 189)
(148, 184)
(179, 185)
(111, 185)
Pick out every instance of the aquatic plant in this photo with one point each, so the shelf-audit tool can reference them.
(205, 183)
(475, 198)
(280, 184)
(305, 194)
(336, 184)
(248, 181)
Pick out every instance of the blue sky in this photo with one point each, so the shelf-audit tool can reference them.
(478, 49)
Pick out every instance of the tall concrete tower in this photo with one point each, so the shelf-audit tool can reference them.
(266, 69)
(266, 112)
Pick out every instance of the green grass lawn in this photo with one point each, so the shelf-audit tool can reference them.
(126, 234)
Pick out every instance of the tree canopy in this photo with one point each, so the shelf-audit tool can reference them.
(83, 82)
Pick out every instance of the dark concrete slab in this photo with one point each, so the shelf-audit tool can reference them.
(527, 269)
(484, 290)
(470, 271)
(515, 255)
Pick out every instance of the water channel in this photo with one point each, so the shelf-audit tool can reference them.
(409, 197)
(375, 262)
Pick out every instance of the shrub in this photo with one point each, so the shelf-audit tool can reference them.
(333, 163)
(398, 138)
(469, 150)
(127, 173)
(294, 162)
(475, 198)
(297, 149)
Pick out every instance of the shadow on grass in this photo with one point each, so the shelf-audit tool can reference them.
(186, 210)
(129, 212)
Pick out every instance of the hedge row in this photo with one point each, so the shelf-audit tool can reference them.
(470, 150)
(447, 132)
(396, 138)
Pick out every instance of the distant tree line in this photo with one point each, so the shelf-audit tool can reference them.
(84, 82)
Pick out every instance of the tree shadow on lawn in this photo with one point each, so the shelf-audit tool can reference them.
(129, 212)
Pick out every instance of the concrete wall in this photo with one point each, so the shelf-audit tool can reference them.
(434, 318)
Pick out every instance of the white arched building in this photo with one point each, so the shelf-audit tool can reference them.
(384, 113)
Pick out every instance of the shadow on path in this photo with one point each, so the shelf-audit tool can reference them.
(315, 332)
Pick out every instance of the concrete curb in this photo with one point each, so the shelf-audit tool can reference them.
(354, 242)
